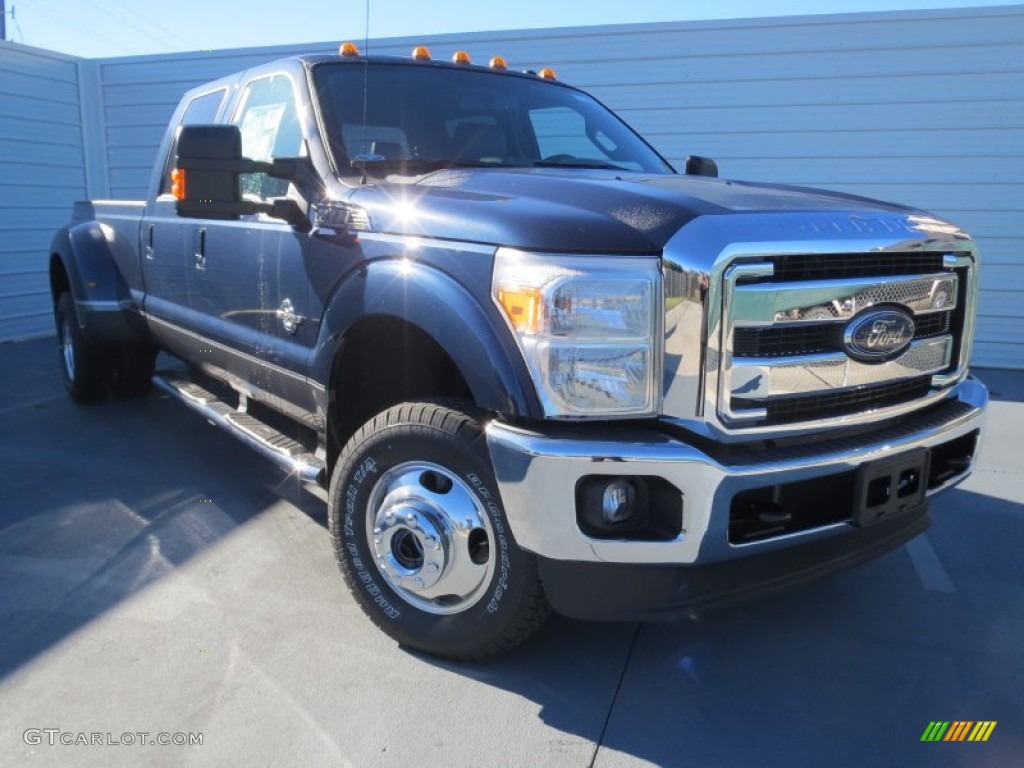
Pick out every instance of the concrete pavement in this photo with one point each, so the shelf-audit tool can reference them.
(156, 576)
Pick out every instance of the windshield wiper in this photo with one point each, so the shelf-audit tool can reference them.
(578, 163)
(417, 165)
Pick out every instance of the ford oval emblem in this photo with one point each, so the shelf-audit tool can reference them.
(878, 335)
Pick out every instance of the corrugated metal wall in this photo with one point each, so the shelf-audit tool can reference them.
(42, 171)
(925, 108)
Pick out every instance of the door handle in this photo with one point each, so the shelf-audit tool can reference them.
(201, 248)
(149, 243)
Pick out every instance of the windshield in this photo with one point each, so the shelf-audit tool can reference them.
(422, 117)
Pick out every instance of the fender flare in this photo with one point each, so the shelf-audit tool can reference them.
(104, 306)
(427, 298)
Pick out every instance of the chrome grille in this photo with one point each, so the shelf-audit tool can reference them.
(766, 313)
(786, 360)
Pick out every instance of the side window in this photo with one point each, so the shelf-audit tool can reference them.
(202, 109)
(563, 131)
(269, 121)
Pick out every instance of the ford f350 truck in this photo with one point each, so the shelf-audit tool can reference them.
(533, 365)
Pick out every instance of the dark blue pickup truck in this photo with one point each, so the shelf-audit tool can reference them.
(534, 365)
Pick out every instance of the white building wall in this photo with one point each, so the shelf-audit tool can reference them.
(42, 171)
(924, 108)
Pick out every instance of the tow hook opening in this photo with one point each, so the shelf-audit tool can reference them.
(875, 491)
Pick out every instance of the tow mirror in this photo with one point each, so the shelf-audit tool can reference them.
(701, 166)
(205, 180)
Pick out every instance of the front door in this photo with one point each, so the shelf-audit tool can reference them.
(246, 285)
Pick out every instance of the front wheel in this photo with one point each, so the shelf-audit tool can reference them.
(422, 539)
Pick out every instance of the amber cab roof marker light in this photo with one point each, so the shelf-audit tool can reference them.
(421, 53)
(498, 62)
(348, 49)
(547, 74)
(461, 57)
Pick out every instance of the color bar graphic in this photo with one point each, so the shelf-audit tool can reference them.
(958, 730)
(982, 730)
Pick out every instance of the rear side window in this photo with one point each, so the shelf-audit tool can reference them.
(200, 111)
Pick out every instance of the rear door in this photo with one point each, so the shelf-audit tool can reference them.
(166, 242)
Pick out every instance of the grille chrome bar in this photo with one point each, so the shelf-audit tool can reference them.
(760, 380)
(866, 401)
(836, 300)
(806, 339)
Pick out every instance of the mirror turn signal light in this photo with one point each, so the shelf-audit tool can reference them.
(178, 183)
(421, 53)
(349, 49)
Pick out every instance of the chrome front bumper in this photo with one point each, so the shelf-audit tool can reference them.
(537, 474)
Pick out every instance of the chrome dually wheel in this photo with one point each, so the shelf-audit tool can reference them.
(431, 537)
(422, 539)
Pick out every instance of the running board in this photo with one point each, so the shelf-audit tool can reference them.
(289, 454)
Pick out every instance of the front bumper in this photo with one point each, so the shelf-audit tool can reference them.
(538, 472)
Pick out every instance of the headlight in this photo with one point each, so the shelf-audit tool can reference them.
(589, 329)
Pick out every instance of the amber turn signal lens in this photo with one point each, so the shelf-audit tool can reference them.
(178, 183)
(522, 309)
(420, 53)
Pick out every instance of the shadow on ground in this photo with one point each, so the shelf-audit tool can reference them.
(100, 502)
(849, 669)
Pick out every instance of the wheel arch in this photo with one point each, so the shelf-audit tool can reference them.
(82, 264)
(395, 332)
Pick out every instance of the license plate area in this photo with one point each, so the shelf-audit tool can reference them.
(890, 487)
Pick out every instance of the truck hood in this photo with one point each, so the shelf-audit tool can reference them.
(577, 210)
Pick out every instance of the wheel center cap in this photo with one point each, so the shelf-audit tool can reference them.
(410, 546)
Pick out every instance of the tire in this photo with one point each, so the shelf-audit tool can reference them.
(422, 540)
(133, 370)
(85, 367)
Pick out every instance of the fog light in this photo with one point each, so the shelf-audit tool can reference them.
(618, 502)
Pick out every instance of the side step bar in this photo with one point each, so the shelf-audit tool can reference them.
(289, 454)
